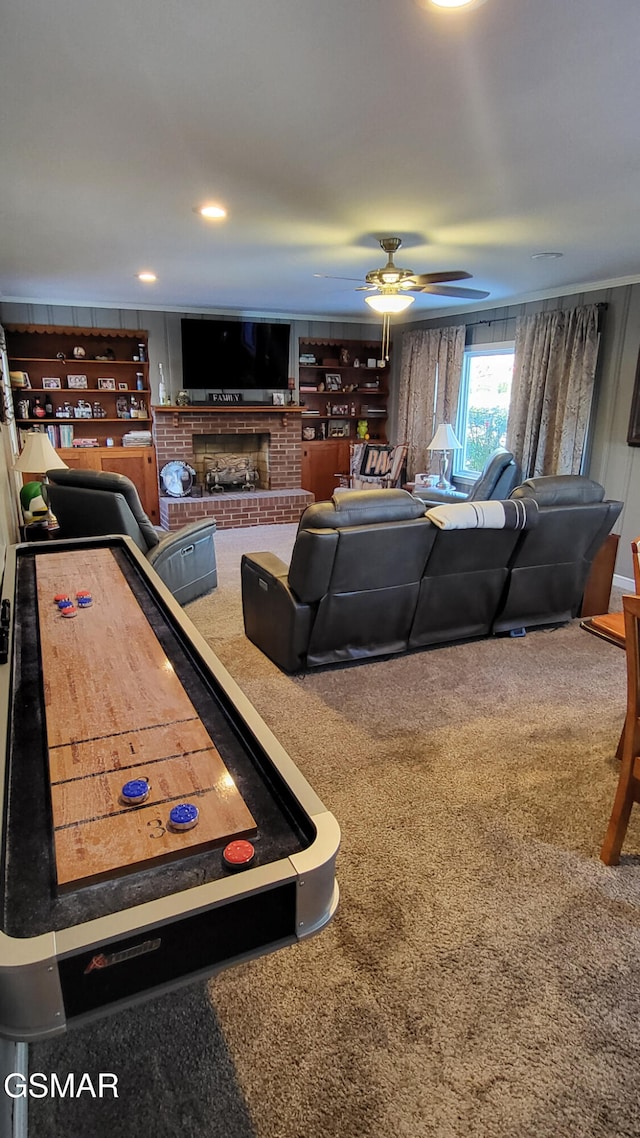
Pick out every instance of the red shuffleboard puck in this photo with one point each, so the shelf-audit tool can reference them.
(238, 855)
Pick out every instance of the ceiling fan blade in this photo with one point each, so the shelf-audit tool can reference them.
(442, 290)
(436, 278)
(329, 277)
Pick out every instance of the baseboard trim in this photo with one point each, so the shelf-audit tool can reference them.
(627, 584)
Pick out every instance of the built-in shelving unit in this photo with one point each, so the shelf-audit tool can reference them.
(88, 388)
(344, 391)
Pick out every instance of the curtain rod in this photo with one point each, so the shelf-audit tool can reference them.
(498, 319)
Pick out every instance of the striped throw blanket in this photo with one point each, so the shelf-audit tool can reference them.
(516, 513)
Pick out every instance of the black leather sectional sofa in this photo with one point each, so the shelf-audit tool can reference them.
(372, 575)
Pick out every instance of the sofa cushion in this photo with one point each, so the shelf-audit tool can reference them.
(560, 490)
(519, 514)
(362, 508)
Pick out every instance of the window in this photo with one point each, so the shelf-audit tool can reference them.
(483, 405)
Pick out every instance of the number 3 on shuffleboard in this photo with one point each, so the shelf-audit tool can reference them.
(158, 828)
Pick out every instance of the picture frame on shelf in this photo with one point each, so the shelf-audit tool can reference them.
(106, 384)
(338, 429)
(122, 387)
(333, 381)
(51, 382)
(77, 382)
(341, 409)
(277, 398)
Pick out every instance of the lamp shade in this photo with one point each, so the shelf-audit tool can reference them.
(389, 301)
(444, 439)
(38, 455)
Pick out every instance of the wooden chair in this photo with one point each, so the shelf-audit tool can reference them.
(610, 626)
(628, 790)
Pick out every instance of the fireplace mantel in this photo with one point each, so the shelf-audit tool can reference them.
(227, 408)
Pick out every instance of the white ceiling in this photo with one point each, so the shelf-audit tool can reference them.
(480, 137)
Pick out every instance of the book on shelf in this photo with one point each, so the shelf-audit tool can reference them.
(66, 435)
(53, 431)
(85, 443)
(310, 411)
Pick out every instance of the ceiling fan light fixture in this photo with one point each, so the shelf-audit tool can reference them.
(389, 302)
(147, 277)
(212, 212)
(449, 3)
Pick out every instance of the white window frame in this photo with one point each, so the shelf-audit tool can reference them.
(502, 348)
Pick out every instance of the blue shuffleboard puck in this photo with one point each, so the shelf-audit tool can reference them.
(184, 816)
(135, 791)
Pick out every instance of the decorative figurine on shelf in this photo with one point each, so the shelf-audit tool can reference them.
(79, 353)
(60, 356)
(183, 399)
(356, 363)
(362, 429)
(345, 358)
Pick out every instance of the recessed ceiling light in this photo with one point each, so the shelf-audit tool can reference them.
(546, 256)
(147, 277)
(449, 3)
(214, 212)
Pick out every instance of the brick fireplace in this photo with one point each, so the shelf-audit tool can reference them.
(279, 428)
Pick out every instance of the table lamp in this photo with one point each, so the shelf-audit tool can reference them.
(444, 441)
(36, 457)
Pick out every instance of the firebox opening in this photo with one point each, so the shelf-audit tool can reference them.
(232, 462)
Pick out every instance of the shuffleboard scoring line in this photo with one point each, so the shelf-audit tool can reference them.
(127, 731)
(131, 766)
(141, 806)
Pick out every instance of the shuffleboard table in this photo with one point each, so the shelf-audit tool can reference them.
(105, 899)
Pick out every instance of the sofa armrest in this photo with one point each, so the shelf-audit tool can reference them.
(186, 560)
(435, 497)
(182, 536)
(274, 620)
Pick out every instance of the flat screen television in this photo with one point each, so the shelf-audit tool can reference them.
(234, 355)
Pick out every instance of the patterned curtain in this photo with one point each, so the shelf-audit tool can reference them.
(430, 373)
(553, 378)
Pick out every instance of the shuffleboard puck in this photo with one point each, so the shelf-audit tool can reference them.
(184, 816)
(238, 854)
(65, 603)
(135, 791)
(61, 597)
(84, 598)
(69, 610)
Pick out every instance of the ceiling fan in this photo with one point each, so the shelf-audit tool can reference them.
(391, 279)
(390, 285)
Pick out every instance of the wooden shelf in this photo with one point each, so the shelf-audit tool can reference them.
(47, 421)
(55, 362)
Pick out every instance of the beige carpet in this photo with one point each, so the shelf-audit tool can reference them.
(482, 976)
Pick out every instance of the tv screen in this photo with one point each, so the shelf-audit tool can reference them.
(240, 355)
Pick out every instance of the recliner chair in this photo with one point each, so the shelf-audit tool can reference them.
(500, 475)
(95, 503)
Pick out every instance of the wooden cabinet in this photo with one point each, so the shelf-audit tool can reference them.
(322, 464)
(344, 390)
(87, 384)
